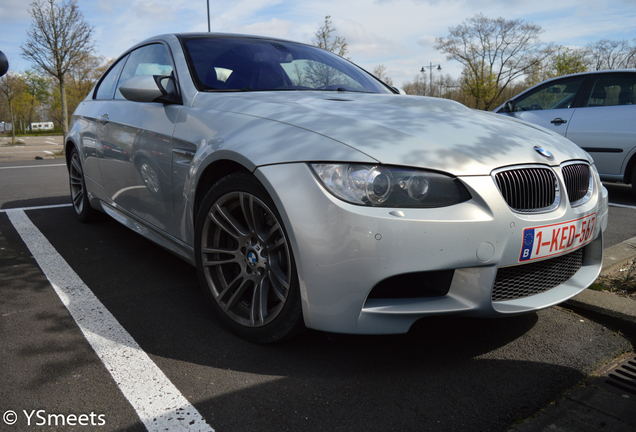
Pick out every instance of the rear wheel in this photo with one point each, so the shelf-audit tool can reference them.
(83, 210)
(634, 179)
(245, 262)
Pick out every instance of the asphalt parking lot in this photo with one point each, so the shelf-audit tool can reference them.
(100, 327)
(28, 148)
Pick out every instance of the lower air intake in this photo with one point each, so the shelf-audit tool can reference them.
(530, 279)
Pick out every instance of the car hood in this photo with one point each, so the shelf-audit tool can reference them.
(405, 130)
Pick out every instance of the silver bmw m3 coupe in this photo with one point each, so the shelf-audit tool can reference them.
(309, 194)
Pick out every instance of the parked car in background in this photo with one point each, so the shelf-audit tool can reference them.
(596, 110)
(307, 193)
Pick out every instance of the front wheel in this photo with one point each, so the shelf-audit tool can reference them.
(83, 210)
(245, 262)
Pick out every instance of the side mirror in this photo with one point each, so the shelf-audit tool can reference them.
(509, 106)
(4, 64)
(150, 88)
(399, 90)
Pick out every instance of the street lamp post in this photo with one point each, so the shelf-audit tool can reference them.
(430, 68)
(209, 16)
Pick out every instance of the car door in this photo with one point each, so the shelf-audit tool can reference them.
(91, 110)
(605, 125)
(136, 143)
(550, 105)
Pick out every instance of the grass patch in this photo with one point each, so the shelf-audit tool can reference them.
(621, 281)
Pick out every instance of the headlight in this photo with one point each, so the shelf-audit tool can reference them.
(377, 185)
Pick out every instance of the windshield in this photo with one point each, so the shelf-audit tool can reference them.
(246, 64)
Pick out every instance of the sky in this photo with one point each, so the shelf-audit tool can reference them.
(399, 34)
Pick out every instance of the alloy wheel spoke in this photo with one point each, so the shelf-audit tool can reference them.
(236, 257)
(236, 295)
(278, 282)
(248, 211)
(278, 244)
(227, 223)
(77, 199)
(75, 163)
(75, 180)
(258, 310)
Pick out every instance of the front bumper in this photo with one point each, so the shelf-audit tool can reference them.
(342, 251)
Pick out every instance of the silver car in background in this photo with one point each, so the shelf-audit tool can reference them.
(596, 110)
(309, 194)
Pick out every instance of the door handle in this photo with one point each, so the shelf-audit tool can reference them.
(103, 119)
(558, 120)
(183, 152)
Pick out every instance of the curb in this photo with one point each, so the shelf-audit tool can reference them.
(621, 310)
(618, 255)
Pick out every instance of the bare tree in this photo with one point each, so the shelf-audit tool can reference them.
(493, 52)
(11, 89)
(327, 41)
(319, 74)
(57, 40)
(606, 54)
(380, 73)
(417, 87)
(447, 85)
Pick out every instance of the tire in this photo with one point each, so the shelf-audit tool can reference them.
(245, 263)
(79, 196)
(634, 179)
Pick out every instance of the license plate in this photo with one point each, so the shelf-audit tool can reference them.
(556, 239)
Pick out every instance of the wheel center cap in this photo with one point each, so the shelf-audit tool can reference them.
(252, 258)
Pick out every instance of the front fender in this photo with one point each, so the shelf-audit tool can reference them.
(243, 141)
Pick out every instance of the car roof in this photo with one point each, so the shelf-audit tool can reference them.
(211, 35)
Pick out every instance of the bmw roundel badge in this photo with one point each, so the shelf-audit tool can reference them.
(251, 258)
(543, 152)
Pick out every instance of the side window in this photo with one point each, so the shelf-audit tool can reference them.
(107, 86)
(148, 60)
(612, 90)
(554, 95)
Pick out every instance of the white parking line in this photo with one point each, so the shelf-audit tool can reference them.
(25, 151)
(37, 207)
(158, 402)
(32, 166)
